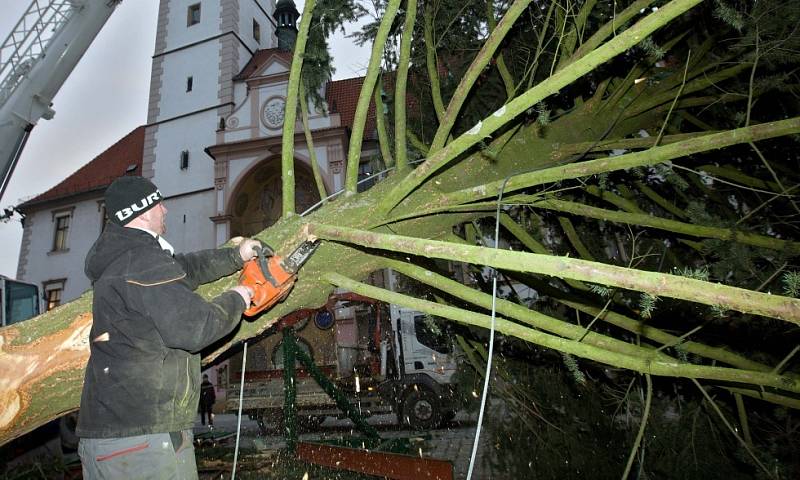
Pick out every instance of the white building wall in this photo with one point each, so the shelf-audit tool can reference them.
(193, 133)
(177, 67)
(179, 34)
(189, 227)
(248, 11)
(44, 265)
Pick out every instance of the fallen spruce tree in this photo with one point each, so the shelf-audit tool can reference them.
(586, 141)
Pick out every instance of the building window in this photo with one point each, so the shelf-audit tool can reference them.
(62, 221)
(256, 31)
(193, 15)
(53, 298)
(189, 82)
(53, 293)
(184, 160)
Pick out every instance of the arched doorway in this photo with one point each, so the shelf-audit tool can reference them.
(257, 202)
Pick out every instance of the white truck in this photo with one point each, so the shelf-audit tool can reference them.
(384, 358)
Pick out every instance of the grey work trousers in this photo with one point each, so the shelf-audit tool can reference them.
(157, 456)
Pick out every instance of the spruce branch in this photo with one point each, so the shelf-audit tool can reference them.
(553, 84)
(367, 87)
(640, 434)
(400, 100)
(380, 125)
(471, 75)
(645, 220)
(731, 429)
(658, 284)
(653, 367)
(518, 312)
(290, 113)
(312, 153)
(431, 62)
(651, 156)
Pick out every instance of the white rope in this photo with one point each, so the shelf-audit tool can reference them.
(239, 423)
(491, 340)
(363, 180)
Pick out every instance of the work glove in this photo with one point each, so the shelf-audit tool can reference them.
(245, 292)
(250, 248)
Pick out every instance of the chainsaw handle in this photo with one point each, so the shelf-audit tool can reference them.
(269, 281)
(264, 250)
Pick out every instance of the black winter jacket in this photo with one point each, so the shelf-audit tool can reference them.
(143, 374)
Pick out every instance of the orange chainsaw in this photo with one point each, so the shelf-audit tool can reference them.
(271, 277)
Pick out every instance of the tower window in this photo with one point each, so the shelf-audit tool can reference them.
(256, 31)
(189, 82)
(193, 15)
(184, 160)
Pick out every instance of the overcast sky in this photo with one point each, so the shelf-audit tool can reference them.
(104, 99)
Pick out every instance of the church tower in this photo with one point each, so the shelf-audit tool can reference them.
(286, 16)
(201, 45)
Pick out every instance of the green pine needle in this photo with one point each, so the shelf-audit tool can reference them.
(791, 283)
(647, 304)
(729, 15)
(700, 273)
(572, 365)
(600, 290)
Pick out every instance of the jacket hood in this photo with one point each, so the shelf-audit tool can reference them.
(113, 243)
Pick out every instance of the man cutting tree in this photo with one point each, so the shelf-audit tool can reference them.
(141, 387)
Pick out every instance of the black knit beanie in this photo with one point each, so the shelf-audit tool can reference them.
(128, 197)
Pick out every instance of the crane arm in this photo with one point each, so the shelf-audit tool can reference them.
(35, 60)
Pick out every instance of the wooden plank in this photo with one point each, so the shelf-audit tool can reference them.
(389, 465)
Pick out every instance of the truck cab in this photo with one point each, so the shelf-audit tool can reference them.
(425, 354)
(18, 301)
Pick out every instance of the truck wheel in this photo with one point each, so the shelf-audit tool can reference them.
(447, 417)
(421, 409)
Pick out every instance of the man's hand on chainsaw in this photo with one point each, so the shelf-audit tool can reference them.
(250, 248)
(245, 292)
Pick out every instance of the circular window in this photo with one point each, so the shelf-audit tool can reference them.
(272, 112)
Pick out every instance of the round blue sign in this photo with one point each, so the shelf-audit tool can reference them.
(323, 319)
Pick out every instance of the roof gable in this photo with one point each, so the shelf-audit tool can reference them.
(270, 61)
(124, 157)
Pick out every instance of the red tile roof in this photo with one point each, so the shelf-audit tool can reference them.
(100, 172)
(342, 98)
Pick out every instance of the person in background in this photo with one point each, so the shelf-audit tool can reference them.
(140, 391)
(207, 398)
